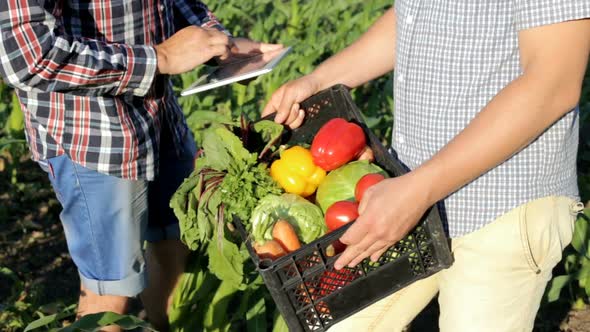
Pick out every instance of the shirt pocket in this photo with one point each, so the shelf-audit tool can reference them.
(107, 21)
(472, 20)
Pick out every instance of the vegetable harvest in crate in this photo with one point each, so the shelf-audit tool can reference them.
(269, 186)
(271, 190)
(264, 211)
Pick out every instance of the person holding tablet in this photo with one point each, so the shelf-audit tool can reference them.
(102, 120)
(486, 118)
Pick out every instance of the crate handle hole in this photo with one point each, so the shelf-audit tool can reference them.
(265, 264)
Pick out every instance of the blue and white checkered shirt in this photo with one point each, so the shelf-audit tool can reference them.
(453, 57)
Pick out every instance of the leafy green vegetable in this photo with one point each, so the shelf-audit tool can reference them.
(269, 132)
(193, 295)
(305, 217)
(216, 317)
(246, 188)
(227, 262)
(279, 324)
(339, 185)
(228, 181)
(195, 204)
(224, 150)
(256, 314)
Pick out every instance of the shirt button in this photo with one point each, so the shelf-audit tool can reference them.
(162, 7)
(400, 78)
(409, 19)
(401, 139)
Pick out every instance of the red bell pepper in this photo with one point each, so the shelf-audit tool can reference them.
(337, 143)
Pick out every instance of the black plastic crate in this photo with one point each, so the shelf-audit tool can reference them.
(310, 294)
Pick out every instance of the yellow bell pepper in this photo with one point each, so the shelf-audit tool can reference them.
(296, 172)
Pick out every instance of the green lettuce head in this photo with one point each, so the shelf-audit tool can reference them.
(305, 217)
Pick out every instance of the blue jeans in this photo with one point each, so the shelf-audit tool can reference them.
(106, 219)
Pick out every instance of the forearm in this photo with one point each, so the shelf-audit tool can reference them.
(511, 121)
(189, 12)
(88, 68)
(371, 56)
(553, 59)
(34, 57)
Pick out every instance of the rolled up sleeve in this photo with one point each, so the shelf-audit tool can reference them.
(535, 13)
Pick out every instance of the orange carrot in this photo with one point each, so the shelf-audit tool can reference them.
(284, 234)
(270, 249)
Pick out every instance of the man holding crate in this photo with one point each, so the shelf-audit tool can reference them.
(103, 121)
(487, 120)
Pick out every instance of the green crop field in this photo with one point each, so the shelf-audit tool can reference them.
(39, 281)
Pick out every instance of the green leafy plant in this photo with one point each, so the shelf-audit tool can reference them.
(24, 306)
(89, 323)
(12, 142)
(576, 280)
(315, 30)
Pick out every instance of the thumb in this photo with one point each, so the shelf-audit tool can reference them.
(268, 109)
(271, 106)
(221, 51)
(263, 47)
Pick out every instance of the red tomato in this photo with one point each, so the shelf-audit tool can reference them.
(332, 280)
(335, 248)
(364, 183)
(338, 247)
(341, 213)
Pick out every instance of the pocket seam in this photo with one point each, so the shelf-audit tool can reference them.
(50, 169)
(525, 242)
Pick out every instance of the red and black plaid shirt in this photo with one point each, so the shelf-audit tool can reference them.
(85, 73)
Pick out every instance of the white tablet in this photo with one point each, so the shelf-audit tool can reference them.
(240, 70)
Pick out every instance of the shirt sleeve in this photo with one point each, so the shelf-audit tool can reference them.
(190, 12)
(35, 56)
(535, 13)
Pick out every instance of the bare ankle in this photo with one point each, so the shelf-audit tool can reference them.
(91, 303)
(165, 263)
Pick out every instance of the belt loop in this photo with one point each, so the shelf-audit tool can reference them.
(576, 208)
